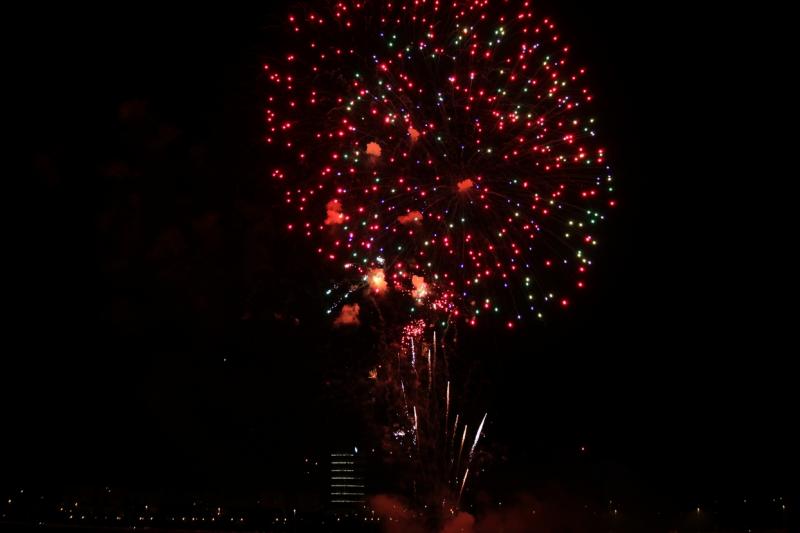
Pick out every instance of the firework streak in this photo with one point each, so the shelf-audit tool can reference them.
(415, 377)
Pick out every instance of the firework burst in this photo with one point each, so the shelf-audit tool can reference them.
(446, 142)
(444, 156)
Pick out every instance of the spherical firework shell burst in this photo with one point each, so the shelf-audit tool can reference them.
(453, 142)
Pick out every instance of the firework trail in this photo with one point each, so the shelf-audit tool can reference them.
(461, 448)
(463, 484)
(477, 436)
(420, 417)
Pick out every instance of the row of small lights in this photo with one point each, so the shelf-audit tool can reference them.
(613, 509)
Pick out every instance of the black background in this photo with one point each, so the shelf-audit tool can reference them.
(162, 332)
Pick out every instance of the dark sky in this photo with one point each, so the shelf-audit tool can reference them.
(153, 338)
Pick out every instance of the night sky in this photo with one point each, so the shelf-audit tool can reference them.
(165, 332)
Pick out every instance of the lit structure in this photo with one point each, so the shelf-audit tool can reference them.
(347, 479)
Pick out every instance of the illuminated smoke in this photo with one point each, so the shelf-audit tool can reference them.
(420, 287)
(335, 215)
(374, 149)
(387, 506)
(414, 134)
(464, 185)
(348, 316)
(463, 522)
(377, 280)
(412, 217)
